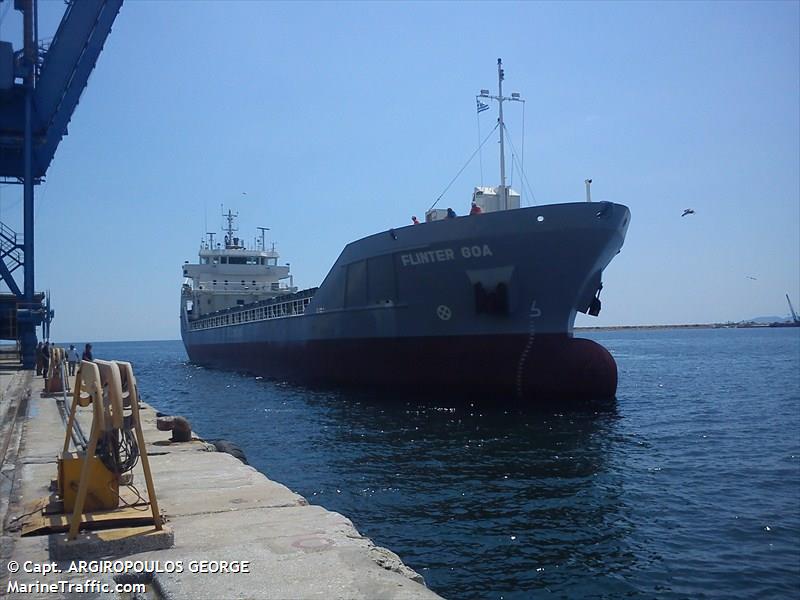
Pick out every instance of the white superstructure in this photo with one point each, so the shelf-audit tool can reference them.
(491, 199)
(230, 274)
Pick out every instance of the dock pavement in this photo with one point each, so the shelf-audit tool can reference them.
(218, 509)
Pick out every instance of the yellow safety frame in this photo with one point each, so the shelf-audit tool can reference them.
(90, 381)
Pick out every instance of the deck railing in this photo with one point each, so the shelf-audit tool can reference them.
(276, 310)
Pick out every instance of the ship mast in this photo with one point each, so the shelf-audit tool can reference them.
(502, 143)
(515, 97)
(230, 216)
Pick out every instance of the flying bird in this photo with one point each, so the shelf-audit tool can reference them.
(751, 277)
(688, 211)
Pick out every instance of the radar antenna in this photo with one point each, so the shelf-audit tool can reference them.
(261, 237)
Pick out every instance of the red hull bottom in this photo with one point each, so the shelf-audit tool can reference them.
(547, 367)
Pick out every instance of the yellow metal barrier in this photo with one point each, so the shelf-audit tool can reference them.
(109, 387)
(55, 380)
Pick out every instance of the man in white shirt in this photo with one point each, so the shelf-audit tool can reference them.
(72, 358)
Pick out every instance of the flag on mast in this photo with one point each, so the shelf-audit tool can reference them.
(481, 106)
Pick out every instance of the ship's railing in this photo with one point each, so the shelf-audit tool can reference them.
(273, 310)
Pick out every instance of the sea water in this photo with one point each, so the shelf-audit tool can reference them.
(688, 485)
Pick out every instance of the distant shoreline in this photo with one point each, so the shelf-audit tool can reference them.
(689, 326)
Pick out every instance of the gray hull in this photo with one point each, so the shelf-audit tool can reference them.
(499, 289)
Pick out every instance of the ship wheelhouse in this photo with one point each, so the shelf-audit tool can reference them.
(232, 274)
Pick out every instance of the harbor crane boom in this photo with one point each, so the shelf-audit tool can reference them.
(795, 319)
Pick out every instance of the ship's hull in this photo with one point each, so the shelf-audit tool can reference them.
(484, 303)
(548, 367)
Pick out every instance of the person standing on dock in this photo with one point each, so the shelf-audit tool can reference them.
(39, 358)
(45, 359)
(72, 358)
(87, 352)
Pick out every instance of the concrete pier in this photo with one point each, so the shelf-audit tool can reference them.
(218, 509)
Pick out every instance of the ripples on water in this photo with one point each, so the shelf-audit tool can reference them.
(688, 486)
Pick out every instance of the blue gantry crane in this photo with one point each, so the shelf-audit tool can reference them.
(39, 90)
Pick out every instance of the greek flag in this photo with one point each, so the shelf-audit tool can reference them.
(481, 106)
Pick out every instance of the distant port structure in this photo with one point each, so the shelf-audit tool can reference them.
(761, 322)
(795, 319)
(40, 86)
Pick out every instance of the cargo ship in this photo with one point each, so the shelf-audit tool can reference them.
(483, 303)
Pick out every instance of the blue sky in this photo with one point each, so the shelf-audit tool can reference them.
(342, 119)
